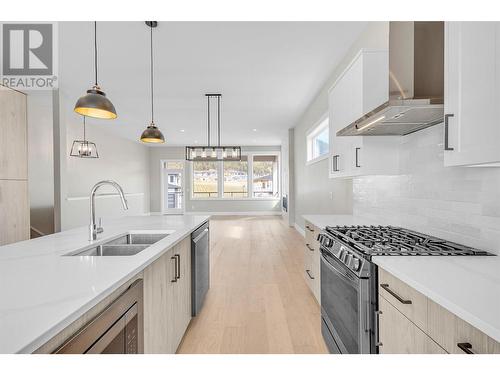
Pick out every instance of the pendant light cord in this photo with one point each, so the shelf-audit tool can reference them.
(218, 118)
(95, 50)
(208, 122)
(84, 138)
(151, 59)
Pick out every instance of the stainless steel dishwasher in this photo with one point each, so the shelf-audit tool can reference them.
(116, 330)
(200, 267)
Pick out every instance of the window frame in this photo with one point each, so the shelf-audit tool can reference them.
(220, 179)
(318, 127)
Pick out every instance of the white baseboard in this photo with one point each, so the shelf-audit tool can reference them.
(239, 213)
(299, 229)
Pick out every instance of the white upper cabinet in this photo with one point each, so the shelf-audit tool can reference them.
(472, 98)
(362, 87)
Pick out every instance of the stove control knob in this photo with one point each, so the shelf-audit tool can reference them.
(341, 253)
(355, 264)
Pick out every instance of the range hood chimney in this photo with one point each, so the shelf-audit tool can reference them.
(416, 82)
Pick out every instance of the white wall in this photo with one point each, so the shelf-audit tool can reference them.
(41, 161)
(121, 160)
(196, 205)
(455, 203)
(315, 193)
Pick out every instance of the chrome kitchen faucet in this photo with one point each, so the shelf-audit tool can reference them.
(94, 230)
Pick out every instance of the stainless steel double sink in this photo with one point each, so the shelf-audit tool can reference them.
(125, 245)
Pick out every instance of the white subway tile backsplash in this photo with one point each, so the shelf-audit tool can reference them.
(457, 203)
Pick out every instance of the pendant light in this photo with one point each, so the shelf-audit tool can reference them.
(84, 149)
(152, 134)
(213, 153)
(95, 103)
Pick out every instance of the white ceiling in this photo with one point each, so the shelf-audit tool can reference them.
(268, 72)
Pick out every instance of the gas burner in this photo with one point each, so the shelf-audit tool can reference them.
(395, 241)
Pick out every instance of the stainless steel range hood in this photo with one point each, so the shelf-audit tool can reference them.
(416, 82)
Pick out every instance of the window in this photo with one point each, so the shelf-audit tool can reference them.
(256, 176)
(205, 180)
(236, 178)
(265, 174)
(318, 141)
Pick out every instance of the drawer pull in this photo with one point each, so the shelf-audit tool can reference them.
(395, 295)
(309, 274)
(466, 347)
(309, 228)
(309, 247)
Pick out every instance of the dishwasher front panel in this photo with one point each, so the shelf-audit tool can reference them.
(200, 267)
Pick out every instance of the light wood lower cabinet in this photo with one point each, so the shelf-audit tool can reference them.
(401, 325)
(312, 260)
(167, 299)
(399, 335)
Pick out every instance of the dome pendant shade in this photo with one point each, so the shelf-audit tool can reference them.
(95, 104)
(152, 135)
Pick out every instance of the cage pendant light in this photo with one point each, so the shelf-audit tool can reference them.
(152, 134)
(213, 153)
(84, 148)
(95, 103)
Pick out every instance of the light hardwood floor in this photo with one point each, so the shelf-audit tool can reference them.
(258, 301)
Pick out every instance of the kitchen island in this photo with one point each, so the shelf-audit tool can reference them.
(43, 291)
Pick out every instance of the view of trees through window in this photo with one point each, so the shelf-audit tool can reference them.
(205, 179)
(236, 178)
(265, 176)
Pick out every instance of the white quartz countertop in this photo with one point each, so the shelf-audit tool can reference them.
(467, 286)
(42, 292)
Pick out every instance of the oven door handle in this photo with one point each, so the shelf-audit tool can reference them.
(344, 275)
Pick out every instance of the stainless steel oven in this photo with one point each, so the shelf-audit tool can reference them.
(346, 308)
(117, 330)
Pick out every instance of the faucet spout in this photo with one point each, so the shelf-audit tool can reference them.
(94, 230)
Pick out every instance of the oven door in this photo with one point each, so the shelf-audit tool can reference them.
(345, 308)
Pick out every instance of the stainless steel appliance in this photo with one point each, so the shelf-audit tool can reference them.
(349, 279)
(200, 267)
(117, 330)
(416, 82)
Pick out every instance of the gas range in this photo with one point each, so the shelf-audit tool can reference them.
(349, 290)
(355, 245)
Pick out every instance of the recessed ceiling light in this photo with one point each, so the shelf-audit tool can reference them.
(254, 130)
(182, 130)
(195, 141)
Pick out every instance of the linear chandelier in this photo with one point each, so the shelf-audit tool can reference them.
(209, 152)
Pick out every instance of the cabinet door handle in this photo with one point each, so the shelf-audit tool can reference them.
(309, 247)
(309, 228)
(446, 133)
(357, 157)
(309, 274)
(174, 280)
(178, 269)
(395, 295)
(377, 329)
(336, 163)
(466, 347)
